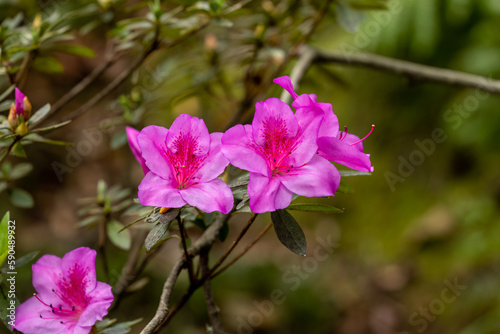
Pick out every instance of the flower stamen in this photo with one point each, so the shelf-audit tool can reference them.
(368, 135)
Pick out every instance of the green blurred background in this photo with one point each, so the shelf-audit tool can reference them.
(397, 245)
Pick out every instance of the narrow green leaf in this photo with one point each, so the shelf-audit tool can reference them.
(123, 239)
(26, 259)
(52, 127)
(6, 93)
(120, 328)
(346, 173)
(4, 233)
(156, 234)
(49, 65)
(21, 198)
(289, 232)
(20, 170)
(39, 114)
(315, 208)
(35, 137)
(89, 221)
(18, 150)
(77, 50)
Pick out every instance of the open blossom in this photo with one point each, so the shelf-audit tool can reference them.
(69, 299)
(279, 149)
(184, 162)
(134, 147)
(334, 145)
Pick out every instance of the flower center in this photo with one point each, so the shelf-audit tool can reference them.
(277, 145)
(183, 160)
(65, 312)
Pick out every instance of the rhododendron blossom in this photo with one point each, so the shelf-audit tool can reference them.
(334, 145)
(69, 299)
(279, 149)
(184, 162)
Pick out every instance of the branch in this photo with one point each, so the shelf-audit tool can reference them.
(213, 311)
(244, 251)
(414, 71)
(204, 242)
(305, 61)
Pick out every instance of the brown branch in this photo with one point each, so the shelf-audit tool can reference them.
(189, 263)
(414, 71)
(204, 242)
(244, 251)
(213, 311)
(305, 61)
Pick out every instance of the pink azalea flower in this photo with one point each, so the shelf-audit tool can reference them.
(69, 299)
(334, 145)
(134, 147)
(279, 150)
(185, 162)
(20, 107)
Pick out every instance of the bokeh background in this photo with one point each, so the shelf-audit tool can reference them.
(398, 244)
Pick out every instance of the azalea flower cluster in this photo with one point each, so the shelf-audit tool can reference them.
(285, 152)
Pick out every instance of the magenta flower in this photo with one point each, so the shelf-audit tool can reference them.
(134, 147)
(185, 162)
(69, 299)
(334, 145)
(279, 149)
(20, 107)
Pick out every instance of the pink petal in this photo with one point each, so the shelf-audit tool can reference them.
(209, 196)
(100, 300)
(46, 275)
(351, 139)
(238, 147)
(19, 101)
(215, 162)
(267, 194)
(330, 125)
(286, 83)
(316, 179)
(28, 319)
(152, 144)
(84, 259)
(341, 152)
(273, 118)
(156, 191)
(134, 147)
(192, 126)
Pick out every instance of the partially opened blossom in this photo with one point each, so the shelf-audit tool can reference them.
(69, 299)
(184, 162)
(134, 147)
(279, 149)
(334, 145)
(20, 108)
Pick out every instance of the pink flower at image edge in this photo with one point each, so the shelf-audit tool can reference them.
(134, 147)
(184, 162)
(69, 298)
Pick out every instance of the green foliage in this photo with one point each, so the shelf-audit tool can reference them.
(289, 232)
(4, 233)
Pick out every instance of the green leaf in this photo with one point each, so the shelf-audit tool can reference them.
(344, 188)
(49, 65)
(315, 208)
(77, 50)
(52, 127)
(34, 137)
(3, 186)
(224, 232)
(89, 221)
(18, 150)
(120, 328)
(4, 233)
(346, 173)
(289, 232)
(6, 93)
(348, 18)
(118, 140)
(26, 259)
(123, 239)
(156, 234)
(21, 198)
(20, 170)
(39, 114)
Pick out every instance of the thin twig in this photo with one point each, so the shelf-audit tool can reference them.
(416, 72)
(205, 241)
(102, 246)
(235, 242)
(189, 263)
(213, 311)
(243, 252)
(25, 66)
(306, 58)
